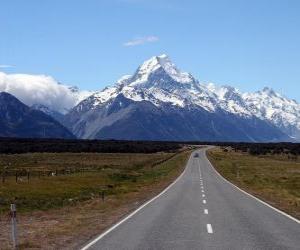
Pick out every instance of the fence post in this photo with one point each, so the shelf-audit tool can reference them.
(14, 232)
(3, 176)
(102, 194)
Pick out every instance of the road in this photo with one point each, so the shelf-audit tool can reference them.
(202, 211)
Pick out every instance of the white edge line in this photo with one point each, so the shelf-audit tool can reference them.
(136, 211)
(205, 211)
(209, 228)
(257, 199)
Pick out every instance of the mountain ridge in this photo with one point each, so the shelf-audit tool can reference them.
(19, 120)
(159, 82)
(165, 90)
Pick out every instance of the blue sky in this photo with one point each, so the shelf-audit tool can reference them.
(91, 43)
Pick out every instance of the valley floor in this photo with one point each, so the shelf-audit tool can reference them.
(273, 178)
(69, 198)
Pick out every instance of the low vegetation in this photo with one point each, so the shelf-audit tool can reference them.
(19, 146)
(273, 177)
(291, 150)
(83, 194)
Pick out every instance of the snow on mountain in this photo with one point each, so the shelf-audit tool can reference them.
(159, 81)
(41, 89)
(279, 110)
(160, 62)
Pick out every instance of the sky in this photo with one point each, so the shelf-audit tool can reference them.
(92, 43)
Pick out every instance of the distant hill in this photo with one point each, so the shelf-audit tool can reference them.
(19, 120)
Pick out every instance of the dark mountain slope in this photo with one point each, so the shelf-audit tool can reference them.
(18, 120)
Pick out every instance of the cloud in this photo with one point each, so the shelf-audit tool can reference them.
(5, 66)
(141, 40)
(41, 89)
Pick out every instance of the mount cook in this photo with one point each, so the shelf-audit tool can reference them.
(160, 102)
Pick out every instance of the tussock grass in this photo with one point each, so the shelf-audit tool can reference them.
(64, 212)
(108, 173)
(273, 178)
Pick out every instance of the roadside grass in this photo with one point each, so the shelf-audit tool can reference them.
(108, 173)
(63, 212)
(273, 178)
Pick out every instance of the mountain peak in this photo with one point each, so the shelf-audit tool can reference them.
(268, 91)
(7, 99)
(158, 64)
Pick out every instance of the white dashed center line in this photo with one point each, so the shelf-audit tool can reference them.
(209, 228)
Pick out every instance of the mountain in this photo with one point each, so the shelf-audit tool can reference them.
(277, 109)
(160, 102)
(19, 120)
(54, 114)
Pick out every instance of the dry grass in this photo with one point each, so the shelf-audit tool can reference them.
(116, 171)
(275, 179)
(132, 178)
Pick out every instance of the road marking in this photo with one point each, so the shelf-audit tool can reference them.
(203, 195)
(200, 174)
(205, 211)
(204, 201)
(202, 191)
(137, 210)
(209, 228)
(264, 203)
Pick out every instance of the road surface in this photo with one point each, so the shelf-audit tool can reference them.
(202, 211)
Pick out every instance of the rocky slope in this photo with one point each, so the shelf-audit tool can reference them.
(159, 102)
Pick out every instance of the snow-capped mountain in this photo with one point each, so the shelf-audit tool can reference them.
(159, 81)
(280, 111)
(161, 102)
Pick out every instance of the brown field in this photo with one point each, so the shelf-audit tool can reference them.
(273, 178)
(65, 209)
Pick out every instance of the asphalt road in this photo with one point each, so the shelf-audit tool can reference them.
(203, 211)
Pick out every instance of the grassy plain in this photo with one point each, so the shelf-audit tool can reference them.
(65, 210)
(273, 178)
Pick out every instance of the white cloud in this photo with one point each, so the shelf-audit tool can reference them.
(141, 40)
(5, 66)
(40, 89)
